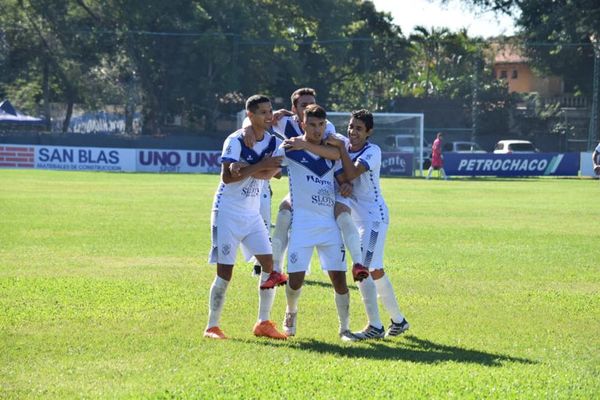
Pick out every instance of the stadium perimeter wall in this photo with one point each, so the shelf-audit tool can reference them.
(120, 159)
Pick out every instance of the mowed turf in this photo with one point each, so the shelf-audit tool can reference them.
(104, 287)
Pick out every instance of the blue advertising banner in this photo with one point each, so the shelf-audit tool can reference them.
(534, 164)
(399, 164)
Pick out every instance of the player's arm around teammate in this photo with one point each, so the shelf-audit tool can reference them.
(362, 167)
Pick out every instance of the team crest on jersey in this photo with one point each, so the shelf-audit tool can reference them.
(226, 249)
(294, 258)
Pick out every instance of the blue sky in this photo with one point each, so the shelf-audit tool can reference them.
(453, 15)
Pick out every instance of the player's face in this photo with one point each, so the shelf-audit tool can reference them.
(303, 101)
(357, 132)
(314, 128)
(262, 117)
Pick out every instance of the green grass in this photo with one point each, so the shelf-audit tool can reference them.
(104, 287)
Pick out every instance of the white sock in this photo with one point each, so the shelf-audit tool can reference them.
(216, 300)
(429, 172)
(279, 240)
(388, 298)
(265, 299)
(351, 236)
(342, 303)
(369, 297)
(292, 299)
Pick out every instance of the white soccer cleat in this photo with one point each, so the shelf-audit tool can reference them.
(397, 329)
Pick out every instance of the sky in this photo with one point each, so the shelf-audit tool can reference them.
(454, 15)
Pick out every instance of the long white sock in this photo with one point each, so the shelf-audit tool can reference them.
(342, 303)
(292, 298)
(216, 300)
(351, 236)
(388, 298)
(279, 240)
(369, 296)
(429, 172)
(265, 299)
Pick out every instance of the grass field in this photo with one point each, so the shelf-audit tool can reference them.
(104, 287)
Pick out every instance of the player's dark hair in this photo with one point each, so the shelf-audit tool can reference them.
(253, 102)
(365, 116)
(302, 92)
(315, 110)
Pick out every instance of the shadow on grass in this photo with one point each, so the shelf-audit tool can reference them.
(328, 285)
(409, 348)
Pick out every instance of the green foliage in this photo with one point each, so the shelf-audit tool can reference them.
(103, 290)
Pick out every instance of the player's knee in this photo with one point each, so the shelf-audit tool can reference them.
(285, 205)
(338, 280)
(340, 208)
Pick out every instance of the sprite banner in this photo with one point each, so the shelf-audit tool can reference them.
(534, 164)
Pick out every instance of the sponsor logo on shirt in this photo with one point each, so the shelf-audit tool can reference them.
(312, 178)
(252, 189)
(323, 198)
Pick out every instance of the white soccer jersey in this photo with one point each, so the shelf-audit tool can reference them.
(312, 195)
(289, 127)
(243, 196)
(367, 201)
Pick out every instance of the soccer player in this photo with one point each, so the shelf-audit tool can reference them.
(236, 217)
(288, 125)
(312, 193)
(361, 166)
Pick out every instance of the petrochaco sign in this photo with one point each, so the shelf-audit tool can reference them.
(535, 164)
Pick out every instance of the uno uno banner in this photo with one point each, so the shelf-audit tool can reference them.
(187, 161)
(535, 164)
(397, 164)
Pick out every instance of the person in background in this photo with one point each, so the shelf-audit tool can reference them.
(437, 160)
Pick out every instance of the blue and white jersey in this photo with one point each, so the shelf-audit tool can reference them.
(312, 194)
(243, 196)
(367, 201)
(289, 127)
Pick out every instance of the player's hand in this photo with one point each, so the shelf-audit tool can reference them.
(249, 137)
(335, 142)
(235, 168)
(277, 115)
(271, 162)
(346, 189)
(294, 143)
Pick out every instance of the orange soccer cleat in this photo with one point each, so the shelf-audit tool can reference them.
(267, 329)
(214, 332)
(274, 279)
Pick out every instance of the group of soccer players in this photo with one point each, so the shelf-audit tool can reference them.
(334, 202)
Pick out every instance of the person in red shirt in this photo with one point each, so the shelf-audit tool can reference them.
(437, 160)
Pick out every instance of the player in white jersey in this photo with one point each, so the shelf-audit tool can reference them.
(361, 164)
(312, 194)
(236, 217)
(288, 125)
(596, 160)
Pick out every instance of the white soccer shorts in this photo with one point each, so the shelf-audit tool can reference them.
(372, 238)
(332, 253)
(229, 231)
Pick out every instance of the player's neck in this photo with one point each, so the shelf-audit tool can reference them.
(259, 134)
(358, 146)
